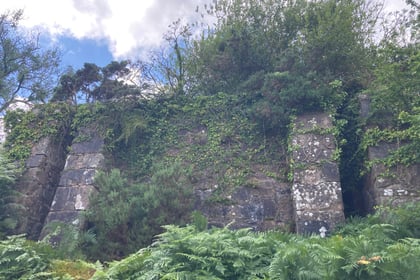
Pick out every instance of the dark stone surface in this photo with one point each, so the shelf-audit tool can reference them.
(392, 186)
(77, 177)
(36, 161)
(312, 226)
(38, 183)
(93, 145)
(68, 217)
(266, 205)
(330, 171)
(315, 221)
(380, 151)
(73, 198)
(364, 101)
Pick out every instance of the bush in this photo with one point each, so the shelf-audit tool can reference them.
(19, 259)
(135, 212)
(368, 248)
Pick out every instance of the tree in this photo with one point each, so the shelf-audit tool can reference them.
(92, 83)
(166, 72)
(26, 70)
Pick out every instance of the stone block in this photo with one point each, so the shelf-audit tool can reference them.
(381, 151)
(68, 217)
(36, 161)
(392, 186)
(72, 198)
(330, 172)
(263, 203)
(77, 177)
(93, 145)
(311, 148)
(42, 147)
(310, 175)
(84, 161)
(321, 197)
(314, 222)
(313, 121)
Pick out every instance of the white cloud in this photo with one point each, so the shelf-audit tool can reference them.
(128, 26)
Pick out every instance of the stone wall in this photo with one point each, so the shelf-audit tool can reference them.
(56, 184)
(390, 186)
(38, 183)
(76, 182)
(263, 204)
(316, 189)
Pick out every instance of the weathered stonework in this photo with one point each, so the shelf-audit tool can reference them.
(263, 206)
(76, 182)
(392, 186)
(316, 189)
(38, 184)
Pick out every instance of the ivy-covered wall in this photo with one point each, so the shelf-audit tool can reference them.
(206, 148)
(393, 185)
(38, 141)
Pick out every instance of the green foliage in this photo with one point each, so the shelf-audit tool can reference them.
(92, 83)
(68, 240)
(395, 112)
(138, 209)
(111, 227)
(77, 270)
(7, 177)
(382, 246)
(86, 114)
(314, 43)
(26, 128)
(19, 259)
(25, 260)
(26, 70)
(406, 139)
(364, 249)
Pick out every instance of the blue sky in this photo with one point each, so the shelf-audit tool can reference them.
(99, 31)
(76, 52)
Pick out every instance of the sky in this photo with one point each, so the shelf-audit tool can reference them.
(99, 31)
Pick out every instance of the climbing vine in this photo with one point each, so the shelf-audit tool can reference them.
(26, 128)
(405, 138)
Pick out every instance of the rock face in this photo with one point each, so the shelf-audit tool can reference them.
(316, 189)
(38, 184)
(264, 205)
(76, 181)
(394, 186)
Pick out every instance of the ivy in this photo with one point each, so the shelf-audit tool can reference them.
(26, 128)
(406, 140)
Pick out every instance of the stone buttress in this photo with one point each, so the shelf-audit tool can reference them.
(390, 186)
(76, 182)
(38, 184)
(316, 188)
